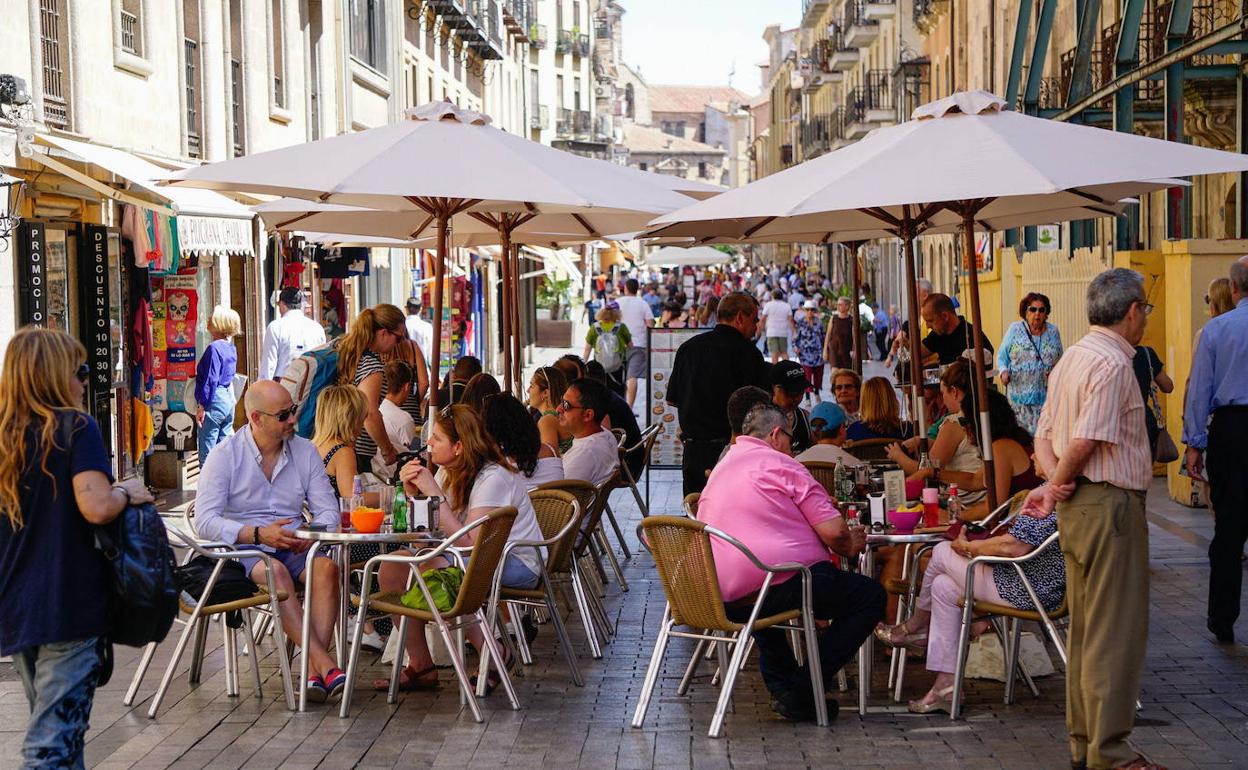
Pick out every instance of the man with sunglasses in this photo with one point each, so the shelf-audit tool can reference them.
(595, 451)
(252, 493)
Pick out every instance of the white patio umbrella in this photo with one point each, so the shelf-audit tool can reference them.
(449, 165)
(963, 161)
(694, 256)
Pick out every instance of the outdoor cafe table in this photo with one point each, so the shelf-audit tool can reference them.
(877, 540)
(323, 539)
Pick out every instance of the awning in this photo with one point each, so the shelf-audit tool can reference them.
(561, 260)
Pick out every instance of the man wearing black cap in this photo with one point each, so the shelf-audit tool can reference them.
(288, 336)
(707, 370)
(788, 386)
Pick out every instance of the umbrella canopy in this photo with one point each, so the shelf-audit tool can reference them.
(960, 148)
(963, 162)
(442, 151)
(449, 166)
(299, 215)
(675, 256)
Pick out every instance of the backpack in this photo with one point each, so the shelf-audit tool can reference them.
(305, 377)
(609, 348)
(144, 594)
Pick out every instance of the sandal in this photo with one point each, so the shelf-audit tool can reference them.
(943, 702)
(896, 636)
(494, 680)
(410, 681)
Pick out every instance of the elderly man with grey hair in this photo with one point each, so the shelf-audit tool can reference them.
(763, 497)
(1092, 446)
(1215, 421)
(251, 493)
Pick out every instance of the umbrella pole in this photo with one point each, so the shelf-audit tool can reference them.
(504, 236)
(906, 231)
(855, 288)
(517, 358)
(439, 276)
(968, 211)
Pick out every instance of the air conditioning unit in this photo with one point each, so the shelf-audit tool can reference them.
(602, 91)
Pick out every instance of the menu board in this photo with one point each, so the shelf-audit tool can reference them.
(667, 449)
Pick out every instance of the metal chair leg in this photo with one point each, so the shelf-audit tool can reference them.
(192, 626)
(255, 654)
(197, 652)
(148, 653)
(587, 616)
(730, 679)
(396, 668)
(568, 654)
(691, 670)
(492, 652)
(522, 644)
(959, 672)
(229, 643)
(461, 674)
(619, 535)
(610, 554)
(652, 671)
(353, 656)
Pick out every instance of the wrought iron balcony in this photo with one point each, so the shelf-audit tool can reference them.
(537, 35)
(811, 10)
(563, 126)
(540, 117)
(582, 123)
(860, 29)
(869, 105)
(842, 57)
(580, 46)
(517, 15)
(563, 45)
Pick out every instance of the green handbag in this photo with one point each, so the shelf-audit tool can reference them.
(443, 585)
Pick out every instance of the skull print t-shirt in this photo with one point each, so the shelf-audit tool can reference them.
(53, 581)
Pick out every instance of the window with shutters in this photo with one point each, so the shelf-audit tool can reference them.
(192, 78)
(237, 122)
(54, 51)
(277, 42)
(368, 32)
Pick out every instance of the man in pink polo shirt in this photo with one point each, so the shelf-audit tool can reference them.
(763, 497)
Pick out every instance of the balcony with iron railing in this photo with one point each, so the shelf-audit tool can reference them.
(563, 124)
(842, 57)
(869, 105)
(564, 43)
(476, 22)
(816, 136)
(517, 16)
(537, 35)
(129, 33)
(582, 123)
(580, 45)
(539, 118)
(811, 9)
(861, 29)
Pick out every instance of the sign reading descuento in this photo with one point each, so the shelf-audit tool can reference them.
(96, 329)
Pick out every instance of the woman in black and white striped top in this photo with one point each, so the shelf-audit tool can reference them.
(373, 334)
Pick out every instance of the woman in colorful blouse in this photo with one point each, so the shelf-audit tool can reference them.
(1026, 357)
(809, 343)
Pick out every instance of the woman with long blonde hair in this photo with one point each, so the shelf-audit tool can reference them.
(55, 482)
(879, 412)
(475, 479)
(374, 333)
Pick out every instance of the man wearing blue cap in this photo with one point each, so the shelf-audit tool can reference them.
(827, 428)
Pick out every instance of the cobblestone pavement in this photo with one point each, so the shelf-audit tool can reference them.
(1195, 702)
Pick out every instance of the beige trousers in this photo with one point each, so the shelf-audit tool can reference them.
(1104, 538)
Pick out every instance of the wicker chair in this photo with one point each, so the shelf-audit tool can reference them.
(825, 474)
(682, 553)
(197, 625)
(558, 516)
(598, 627)
(690, 504)
(870, 448)
(481, 579)
(644, 445)
(1007, 621)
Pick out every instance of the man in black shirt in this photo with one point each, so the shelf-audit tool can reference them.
(707, 369)
(950, 335)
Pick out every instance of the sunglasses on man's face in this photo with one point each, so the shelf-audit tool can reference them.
(83, 373)
(284, 414)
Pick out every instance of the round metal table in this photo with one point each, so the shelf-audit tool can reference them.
(339, 541)
(867, 567)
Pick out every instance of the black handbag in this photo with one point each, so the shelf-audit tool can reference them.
(232, 583)
(144, 596)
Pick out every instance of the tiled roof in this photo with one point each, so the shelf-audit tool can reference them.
(692, 98)
(645, 139)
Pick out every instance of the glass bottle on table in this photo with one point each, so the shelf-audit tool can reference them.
(955, 503)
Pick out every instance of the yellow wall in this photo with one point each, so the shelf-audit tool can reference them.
(990, 300)
(1189, 267)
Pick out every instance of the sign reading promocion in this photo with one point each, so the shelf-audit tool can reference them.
(215, 235)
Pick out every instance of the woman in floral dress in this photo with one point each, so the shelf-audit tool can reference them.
(808, 340)
(1026, 356)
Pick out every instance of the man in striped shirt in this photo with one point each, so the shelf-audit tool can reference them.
(1092, 446)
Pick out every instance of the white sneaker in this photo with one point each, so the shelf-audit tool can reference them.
(371, 640)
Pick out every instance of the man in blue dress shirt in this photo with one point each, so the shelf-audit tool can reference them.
(251, 493)
(1215, 421)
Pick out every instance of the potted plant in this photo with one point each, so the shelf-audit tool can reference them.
(553, 296)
